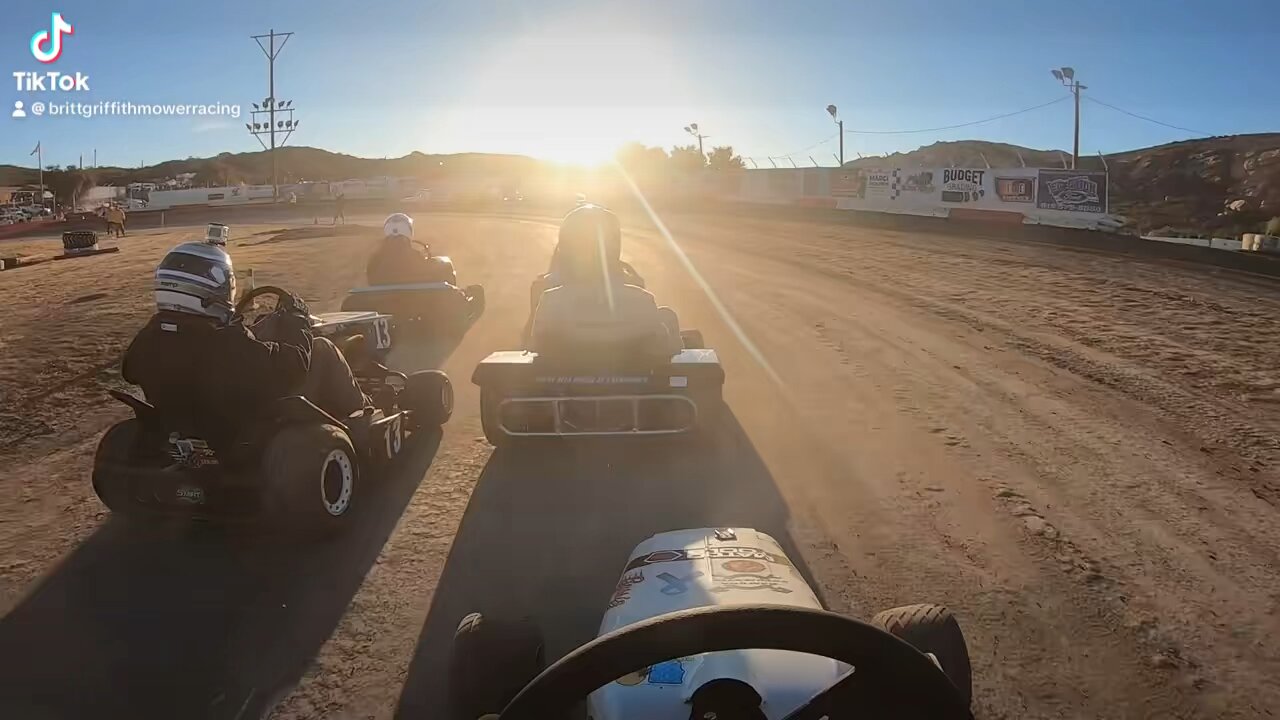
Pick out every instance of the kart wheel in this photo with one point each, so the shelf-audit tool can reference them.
(116, 448)
(692, 339)
(428, 394)
(489, 419)
(490, 662)
(933, 629)
(315, 472)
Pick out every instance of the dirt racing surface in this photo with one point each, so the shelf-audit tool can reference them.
(1073, 450)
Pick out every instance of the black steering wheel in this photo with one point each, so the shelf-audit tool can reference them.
(890, 677)
(262, 301)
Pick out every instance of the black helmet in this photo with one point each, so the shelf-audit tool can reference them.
(590, 229)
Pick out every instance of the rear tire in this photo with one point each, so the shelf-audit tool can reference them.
(489, 420)
(490, 662)
(428, 394)
(314, 474)
(116, 448)
(933, 629)
(475, 301)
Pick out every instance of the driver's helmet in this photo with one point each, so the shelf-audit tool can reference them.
(196, 278)
(590, 237)
(398, 224)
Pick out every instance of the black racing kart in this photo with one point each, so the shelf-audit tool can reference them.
(434, 307)
(292, 464)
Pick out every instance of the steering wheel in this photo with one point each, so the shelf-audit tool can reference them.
(890, 678)
(258, 303)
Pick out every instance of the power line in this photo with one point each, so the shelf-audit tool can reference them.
(961, 125)
(1144, 117)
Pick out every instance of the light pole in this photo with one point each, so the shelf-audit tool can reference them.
(831, 110)
(270, 106)
(692, 129)
(1067, 76)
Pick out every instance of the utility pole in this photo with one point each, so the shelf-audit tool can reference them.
(831, 110)
(1067, 76)
(270, 106)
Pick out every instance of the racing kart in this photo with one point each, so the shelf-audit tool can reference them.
(526, 395)
(292, 464)
(717, 623)
(434, 307)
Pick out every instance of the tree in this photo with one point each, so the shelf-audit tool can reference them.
(686, 158)
(641, 159)
(722, 158)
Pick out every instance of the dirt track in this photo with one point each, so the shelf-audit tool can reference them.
(1074, 451)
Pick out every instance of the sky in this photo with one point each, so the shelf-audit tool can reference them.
(572, 80)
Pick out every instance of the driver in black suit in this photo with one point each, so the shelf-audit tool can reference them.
(196, 361)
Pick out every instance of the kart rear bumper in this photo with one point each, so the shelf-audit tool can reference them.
(527, 396)
(203, 493)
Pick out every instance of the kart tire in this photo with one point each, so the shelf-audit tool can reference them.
(428, 394)
(315, 474)
(490, 662)
(116, 448)
(489, 420)
(933, 629)
(692, 339)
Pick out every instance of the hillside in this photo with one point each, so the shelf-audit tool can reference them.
(1183, 187)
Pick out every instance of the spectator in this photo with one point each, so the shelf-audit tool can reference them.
(338, 203)
(115, 220)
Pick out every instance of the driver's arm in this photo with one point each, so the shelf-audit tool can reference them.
(277, 367)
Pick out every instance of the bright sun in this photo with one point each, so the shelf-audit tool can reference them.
(575, 97)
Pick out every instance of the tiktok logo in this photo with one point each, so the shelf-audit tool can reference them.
(46, 45)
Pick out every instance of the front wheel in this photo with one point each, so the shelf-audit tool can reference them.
(490, 662)
(428, 394)
(933, 630)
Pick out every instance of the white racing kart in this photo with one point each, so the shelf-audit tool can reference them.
(717, 623)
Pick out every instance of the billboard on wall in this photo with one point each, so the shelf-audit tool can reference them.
(907, 185)
(878, 184)
(848, 183)
(1021, 189)
(963, 185)
(1072, 190)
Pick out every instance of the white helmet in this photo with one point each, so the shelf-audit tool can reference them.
(398, 224)
(196, 278)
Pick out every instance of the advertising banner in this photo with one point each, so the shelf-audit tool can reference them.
(848, 183)
(911, 185)
(963, 185)
(1072, 190)
(1016, 189)
(878, 184)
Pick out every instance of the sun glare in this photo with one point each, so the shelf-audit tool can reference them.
(575, 97)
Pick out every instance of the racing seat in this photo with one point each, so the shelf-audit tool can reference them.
(571, 324)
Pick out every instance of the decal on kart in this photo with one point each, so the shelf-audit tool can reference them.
(673, 585)
(191, 452)
(714, 553)
(382, 333)
(750, 582)
(591, 380)
(743, 567)
(394, 437)
(190, 495)
(622, 593)
(670, 672)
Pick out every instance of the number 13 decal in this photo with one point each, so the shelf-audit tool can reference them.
(394, 437)
(382, 333)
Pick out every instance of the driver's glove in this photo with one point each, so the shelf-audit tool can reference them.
(291, 304)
